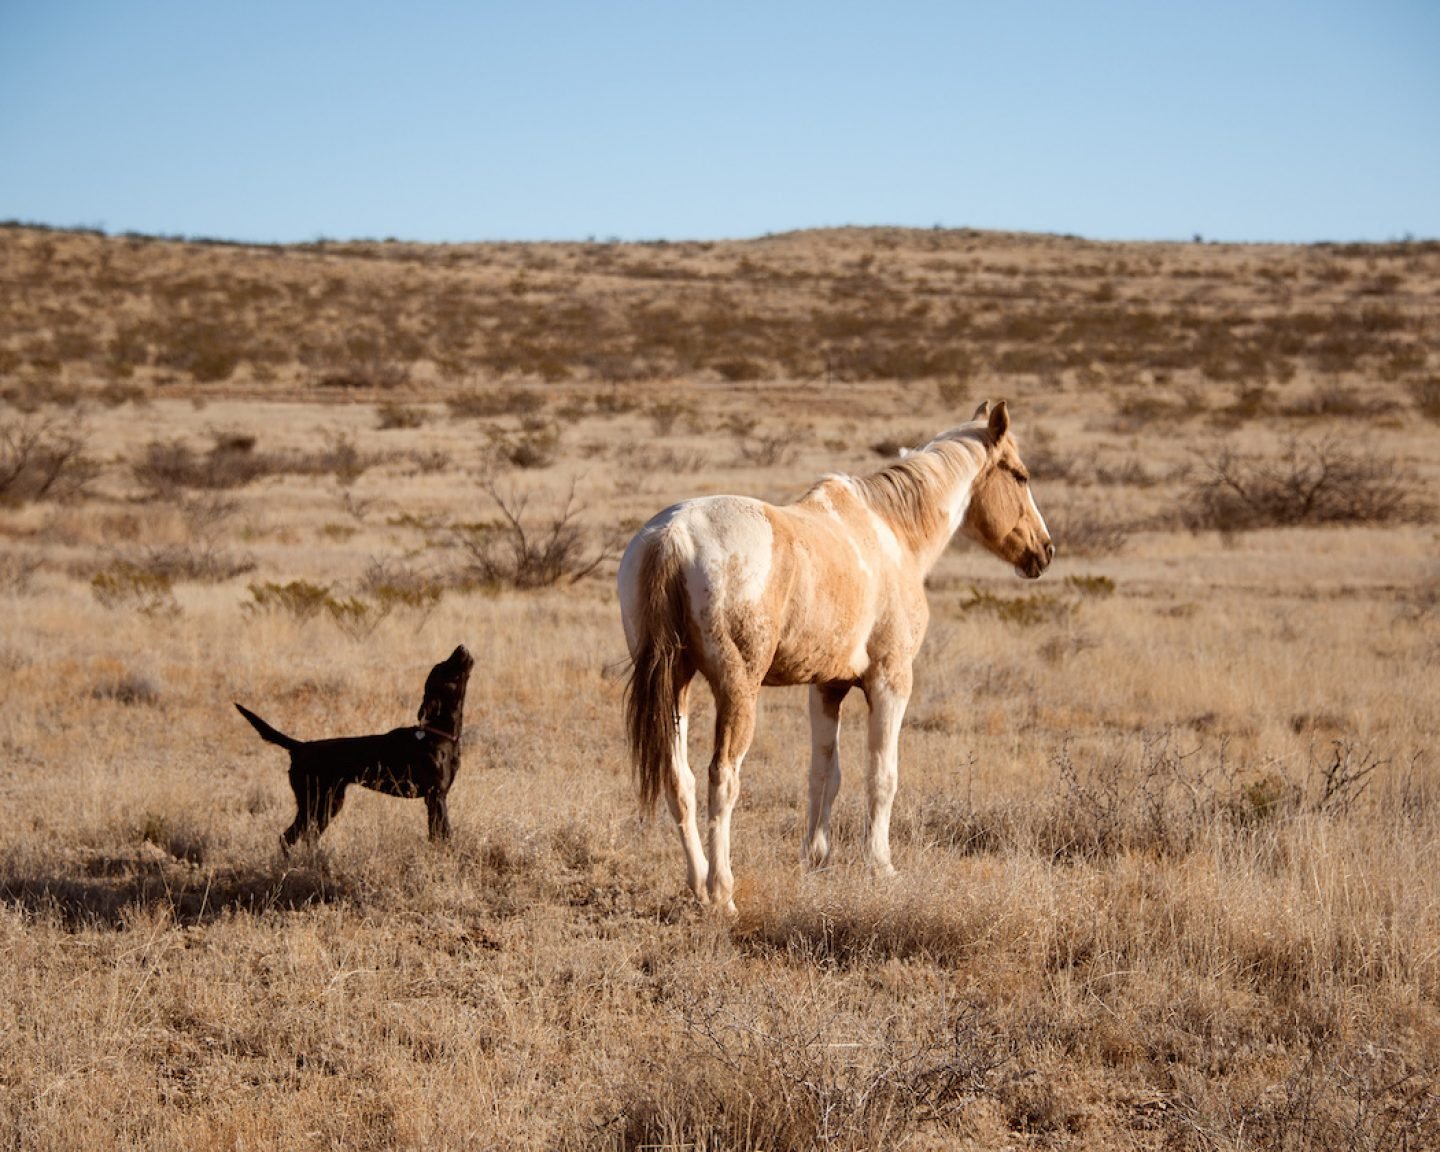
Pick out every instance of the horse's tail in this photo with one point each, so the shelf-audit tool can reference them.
(657, 672)
(273, 735)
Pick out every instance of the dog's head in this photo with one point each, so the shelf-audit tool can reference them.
(445, 691)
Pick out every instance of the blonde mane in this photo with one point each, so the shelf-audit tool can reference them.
(906, 493)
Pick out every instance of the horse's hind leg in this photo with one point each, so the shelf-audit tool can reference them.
(825, 701)
(734, 729)
(679, 788)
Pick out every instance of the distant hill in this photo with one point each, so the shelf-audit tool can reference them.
(118, 315)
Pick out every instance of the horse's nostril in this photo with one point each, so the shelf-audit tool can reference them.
(1049, 551)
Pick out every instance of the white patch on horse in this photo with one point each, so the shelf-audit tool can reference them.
(889, 543)
(860, 657)
(860, 561)
(1044, 529)
(960, 507)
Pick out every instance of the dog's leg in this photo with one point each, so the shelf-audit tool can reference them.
(438, 811)
(316, 804)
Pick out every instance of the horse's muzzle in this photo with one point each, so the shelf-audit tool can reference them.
(1033, 566)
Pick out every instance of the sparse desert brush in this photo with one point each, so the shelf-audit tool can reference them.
(168, 468)
(1426, 396)
(357, 615)
(675, 312)
(127, 585)
(517, 550)
(1333, 479)
(511, 401)
(393, 415)
(42, 458)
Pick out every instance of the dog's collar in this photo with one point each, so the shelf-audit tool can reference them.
(421, 729)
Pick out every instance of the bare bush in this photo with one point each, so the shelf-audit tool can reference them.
(204, 556)
(516, 553)
(1331, 480)
(1426, 395)
(405, 416)
(168, 467)
(766, 451)
(41, 459)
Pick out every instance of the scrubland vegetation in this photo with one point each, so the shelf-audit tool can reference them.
(1168, 828)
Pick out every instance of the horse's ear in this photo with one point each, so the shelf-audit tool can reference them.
(983, 412)
(999, 422)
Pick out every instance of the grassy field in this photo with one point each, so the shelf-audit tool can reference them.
(1168, 829)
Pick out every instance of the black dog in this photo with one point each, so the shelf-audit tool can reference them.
(407, 762)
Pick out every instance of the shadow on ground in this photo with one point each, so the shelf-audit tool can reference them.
(114, 890)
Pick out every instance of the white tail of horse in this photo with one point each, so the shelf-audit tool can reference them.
(828, 591)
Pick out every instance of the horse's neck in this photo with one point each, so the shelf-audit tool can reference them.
(956, 465)
(924, 499)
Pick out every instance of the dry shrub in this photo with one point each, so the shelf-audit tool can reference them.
(1339, 1096)
(402, 416)
(502, 402)
(535, 448)
(1026, 611)
(204, 556)
(208, 350)
(666, 414)
(124, 584)
(169, 467)
(771, 450)
(1084, 530)
(132, 689)
(1330, 480)
(788, 1073)
(1165, 792)
(515, 552)
(358, 616)
(42, 459)
(1426, 396)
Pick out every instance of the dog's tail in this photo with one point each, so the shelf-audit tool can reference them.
(658, 670)
(268, 733)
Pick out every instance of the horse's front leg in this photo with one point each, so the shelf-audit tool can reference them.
(825, 701)
(888, 697)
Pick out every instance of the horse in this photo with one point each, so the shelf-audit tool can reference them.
(827, 591)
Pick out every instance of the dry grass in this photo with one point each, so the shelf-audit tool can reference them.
(1168, 820)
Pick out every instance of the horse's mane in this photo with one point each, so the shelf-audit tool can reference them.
(910, 493)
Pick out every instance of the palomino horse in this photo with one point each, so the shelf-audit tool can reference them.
(828, 591)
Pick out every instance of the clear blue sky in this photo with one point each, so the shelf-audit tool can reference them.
(696, 119)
